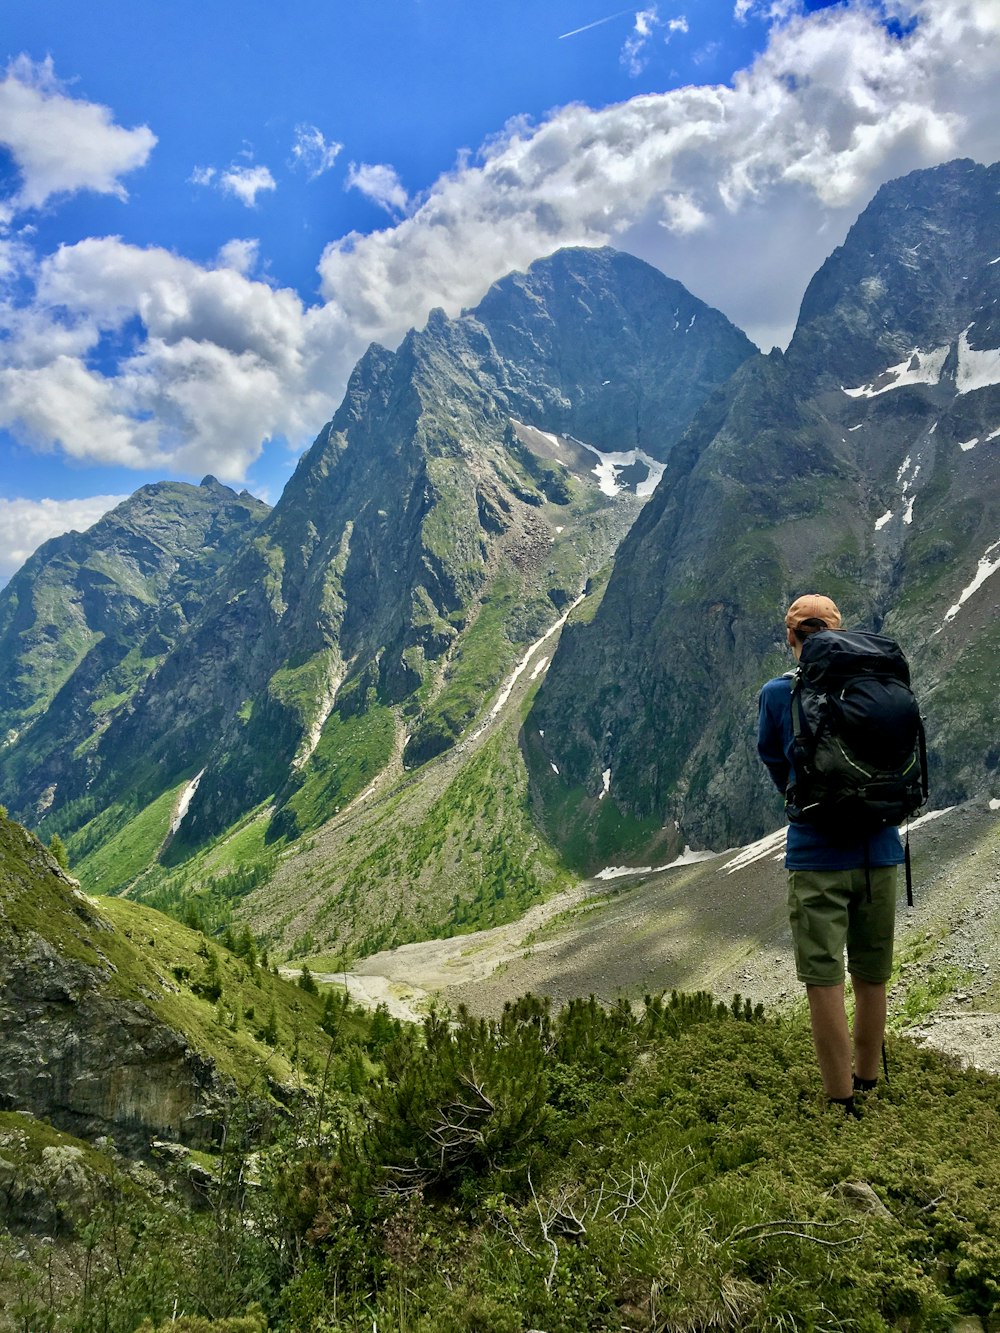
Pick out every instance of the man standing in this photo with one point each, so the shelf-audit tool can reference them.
(841, 893)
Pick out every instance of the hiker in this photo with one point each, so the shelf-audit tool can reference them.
(841, 883)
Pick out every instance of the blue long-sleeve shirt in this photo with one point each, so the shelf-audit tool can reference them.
(807, 848)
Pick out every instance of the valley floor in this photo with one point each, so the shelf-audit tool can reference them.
(720, 925)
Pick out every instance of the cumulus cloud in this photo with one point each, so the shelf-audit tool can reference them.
(246, 183)
(379, 183)
(312, 152)
(240, 255)
(59, 144)
(243, 182)
(739, 191)
(25, 524)
(223, 363)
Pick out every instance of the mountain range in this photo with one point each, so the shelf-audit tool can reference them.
(863, 462)
(282, 712)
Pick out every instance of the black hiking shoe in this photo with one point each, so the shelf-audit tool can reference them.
(847, 1105)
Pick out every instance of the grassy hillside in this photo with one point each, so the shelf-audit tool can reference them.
(591, 1172)
(249, 1022)
(447, 851)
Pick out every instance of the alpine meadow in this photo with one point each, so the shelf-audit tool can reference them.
(393, 934)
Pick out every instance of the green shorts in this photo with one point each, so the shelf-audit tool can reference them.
(828, 910)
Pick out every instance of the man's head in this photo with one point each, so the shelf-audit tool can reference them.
(808, 615)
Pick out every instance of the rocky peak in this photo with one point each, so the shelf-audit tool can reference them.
(913, 272)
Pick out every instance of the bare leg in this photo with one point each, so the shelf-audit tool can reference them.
(831, 1038)
(869, 1026)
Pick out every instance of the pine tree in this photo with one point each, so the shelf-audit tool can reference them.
(58, 849)
(269, 1032)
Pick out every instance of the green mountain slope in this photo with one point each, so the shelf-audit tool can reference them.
(91, 615)
(439, 525)
(118, 1020)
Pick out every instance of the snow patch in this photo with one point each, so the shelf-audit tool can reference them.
(881, 522)
(538, 671)
(609, 463)
(906, 483)
(686, 858)
(183, 805)
(918, 368)
(976, 369)
(969, 444)
(774, 842)
(931, 815)
(994, 435)
(994, 804)
(521, 667)
(554, 768)
(606, 780)
(851, 429)
(987, 566)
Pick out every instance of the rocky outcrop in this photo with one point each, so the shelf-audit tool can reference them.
(78, 1046)
(97, 1064)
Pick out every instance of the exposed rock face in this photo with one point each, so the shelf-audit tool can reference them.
(865, 462)
(76, 1047)
(598, 345)
(90, 615)
(94, 1064)
(417, 506)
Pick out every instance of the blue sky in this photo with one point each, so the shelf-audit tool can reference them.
(208, 210)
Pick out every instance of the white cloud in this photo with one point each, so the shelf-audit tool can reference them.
(224, 362)
(635, 52)
(61, 144)
(380, 184)
(25, 524)
(312, 152)
(633, 55)
(241, 255)
(739, 191)
(244, 183)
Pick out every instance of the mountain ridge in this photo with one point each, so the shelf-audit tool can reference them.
(418, 547)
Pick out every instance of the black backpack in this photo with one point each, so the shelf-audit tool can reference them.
(860, 754)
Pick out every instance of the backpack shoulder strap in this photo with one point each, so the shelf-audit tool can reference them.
(800, 728)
